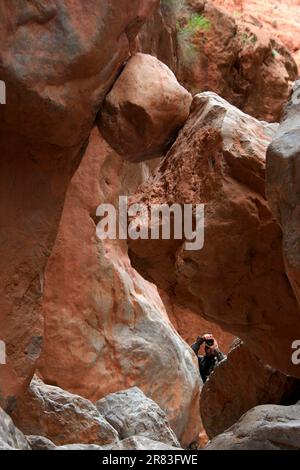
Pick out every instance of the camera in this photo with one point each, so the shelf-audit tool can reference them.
(209, 342)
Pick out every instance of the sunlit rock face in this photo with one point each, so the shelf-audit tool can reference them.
(210, 48)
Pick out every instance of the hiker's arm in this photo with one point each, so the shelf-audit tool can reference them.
(196, 346)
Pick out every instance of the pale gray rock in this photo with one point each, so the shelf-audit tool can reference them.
(4, 446)
(40, 443)
(142, 443)
(265, 427)
(61, 416)
(131, 413)
(10, 436)
(83, 447)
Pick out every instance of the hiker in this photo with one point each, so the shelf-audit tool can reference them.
(212, 357)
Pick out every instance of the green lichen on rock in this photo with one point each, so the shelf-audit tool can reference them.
(186, 33)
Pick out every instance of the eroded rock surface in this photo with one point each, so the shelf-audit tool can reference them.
(237, 279)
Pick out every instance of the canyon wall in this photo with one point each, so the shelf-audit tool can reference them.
(106, 327)
(56, 72)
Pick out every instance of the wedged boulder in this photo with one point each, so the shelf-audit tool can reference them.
(143, 112)
(238, 278)
(282, 186)
(131, 413)
(238, 384)
(40, 443)
(265, 427)
(58, 60)
(142, 443)
(60, 416)
(106, 328)
(236, 58)
(11, 438)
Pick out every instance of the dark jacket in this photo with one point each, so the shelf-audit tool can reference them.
(207, 363)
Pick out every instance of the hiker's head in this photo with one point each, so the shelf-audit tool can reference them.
(210, 344)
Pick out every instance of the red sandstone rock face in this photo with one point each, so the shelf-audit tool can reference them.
(238, 60)
(282, 186)
(238, 384)
(281, 19)
(106, 328)
(143, 112)
(58, 60)
(158, 36)
(237, 280)
(189, 324)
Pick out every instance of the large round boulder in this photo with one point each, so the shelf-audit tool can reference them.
(144, 110)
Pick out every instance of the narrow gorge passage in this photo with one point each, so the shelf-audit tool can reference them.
(149, 226)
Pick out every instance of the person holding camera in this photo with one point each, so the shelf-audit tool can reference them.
(212, 357)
